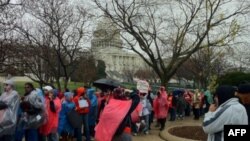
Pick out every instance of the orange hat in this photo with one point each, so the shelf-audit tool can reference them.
(80, 91)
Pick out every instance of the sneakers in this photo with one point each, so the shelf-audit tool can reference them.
(146, 133)
(134, 134)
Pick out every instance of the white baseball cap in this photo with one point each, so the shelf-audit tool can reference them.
(48, 88)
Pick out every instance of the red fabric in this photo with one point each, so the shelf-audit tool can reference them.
(170, 101)
(80, 93)
(111, 118)
(135, 115)
(52, 118)
(163, 91)
(155, 109)
(161, 107)
(60, 95)
(188, 97)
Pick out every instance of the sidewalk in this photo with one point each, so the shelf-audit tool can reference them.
(187, 121)
(157, 135)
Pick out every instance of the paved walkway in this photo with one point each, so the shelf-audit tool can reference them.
(154, 133)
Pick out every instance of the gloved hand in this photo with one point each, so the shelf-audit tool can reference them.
(3, 105)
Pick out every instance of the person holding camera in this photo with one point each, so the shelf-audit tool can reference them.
(222, 113)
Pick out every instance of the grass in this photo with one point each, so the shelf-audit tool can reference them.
(19, 86)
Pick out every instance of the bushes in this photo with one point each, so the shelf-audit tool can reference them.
(233, 78)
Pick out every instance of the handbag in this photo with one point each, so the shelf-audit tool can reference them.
(75, 119)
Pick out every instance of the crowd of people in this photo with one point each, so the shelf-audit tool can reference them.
(113, 115)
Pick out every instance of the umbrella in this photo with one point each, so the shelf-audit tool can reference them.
(105, 84)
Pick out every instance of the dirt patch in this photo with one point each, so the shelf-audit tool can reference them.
(189, 132)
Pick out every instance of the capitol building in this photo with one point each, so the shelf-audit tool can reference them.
(107, 45)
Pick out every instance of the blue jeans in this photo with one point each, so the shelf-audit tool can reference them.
(31, 135)
(146, 118)
(49, 137)
(7, 138)
(86, 129)
(52, 137)
(172, 114)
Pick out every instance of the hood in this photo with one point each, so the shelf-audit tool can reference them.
(162, 88)
(90, 93)
(68, 96)
(55, 92)
(80, 91)
(224, 93)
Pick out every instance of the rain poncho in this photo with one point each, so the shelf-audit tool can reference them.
(33, 115)
(64, 125)
(41, 95)
(80, 96)
(146, 106)
(137, 113)
(8, 116)
(209, 96)
(52, 117)
(93, 106)
(111, 117)
(161, 107)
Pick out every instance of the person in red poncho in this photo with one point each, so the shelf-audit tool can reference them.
(115, 120)
(53, 108)
(161, 107)
(83, 110)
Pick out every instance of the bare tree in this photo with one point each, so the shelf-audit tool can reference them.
(148, 74)
(57, 30)
(203, 66)
(9, 13)
(169, 32)
(87, 70)
(129, 74)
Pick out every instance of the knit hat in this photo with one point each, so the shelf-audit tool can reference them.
(80, 91)
(244, 88)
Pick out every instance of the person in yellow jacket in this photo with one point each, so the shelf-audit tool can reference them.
(196, 104)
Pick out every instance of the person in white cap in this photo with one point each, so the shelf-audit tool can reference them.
(53, 107)
(9, 102)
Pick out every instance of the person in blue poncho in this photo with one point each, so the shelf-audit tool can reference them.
(65, 130)
(93, 110)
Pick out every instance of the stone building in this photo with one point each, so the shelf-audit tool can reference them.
(107, 45)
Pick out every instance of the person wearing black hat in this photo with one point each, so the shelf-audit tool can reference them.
(244, 94)
(223, 113)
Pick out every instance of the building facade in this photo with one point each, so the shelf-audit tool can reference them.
(107, 45)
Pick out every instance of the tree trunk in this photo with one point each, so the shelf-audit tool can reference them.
(66, 80)
(164, 80)
(40, 85)
(58, 84)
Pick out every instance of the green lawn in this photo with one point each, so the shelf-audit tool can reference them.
(19, 86)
